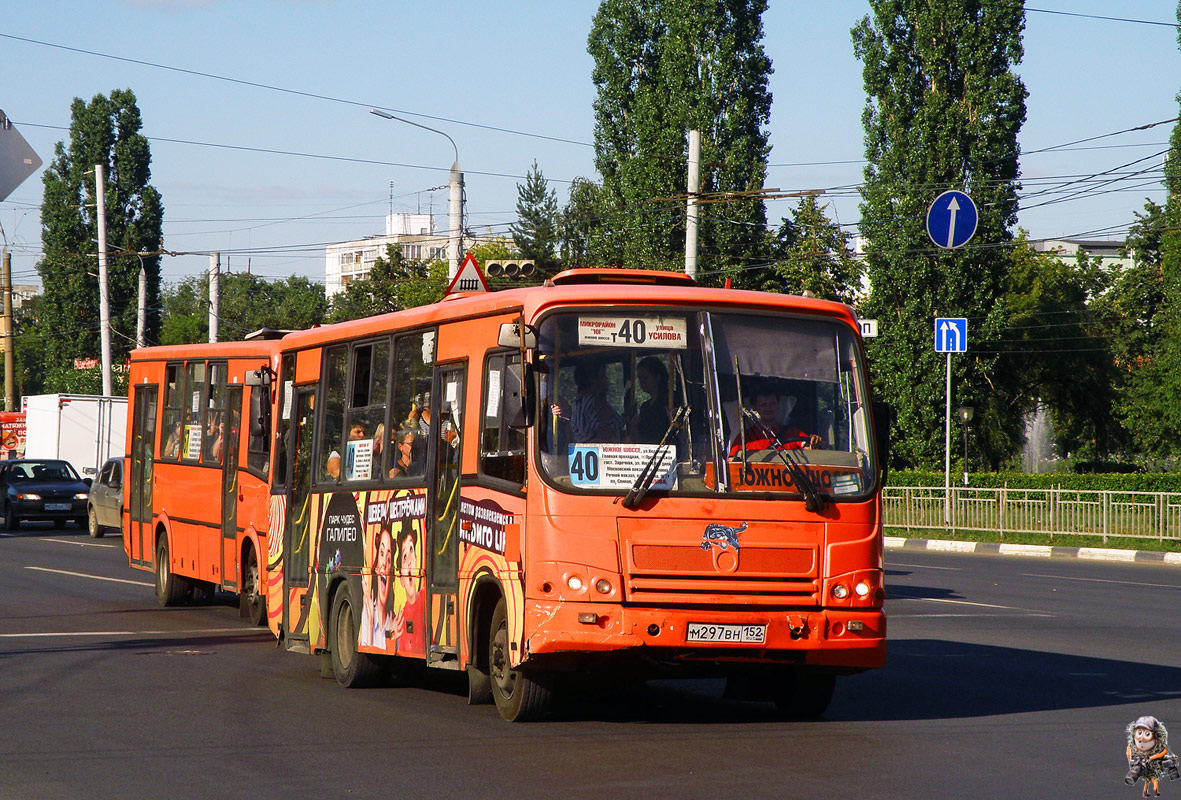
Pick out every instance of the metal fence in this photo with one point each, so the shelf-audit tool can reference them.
(1054, 512)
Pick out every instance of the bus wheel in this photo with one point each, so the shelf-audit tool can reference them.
(92, 525)
(171, 590)
(519, 696)
(803, 695)
(352, 669)
(252, 603)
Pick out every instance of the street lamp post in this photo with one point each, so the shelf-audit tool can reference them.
(455, 184)
(965, 414)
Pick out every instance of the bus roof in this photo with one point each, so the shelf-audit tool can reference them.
(631, 288)
(256, 348)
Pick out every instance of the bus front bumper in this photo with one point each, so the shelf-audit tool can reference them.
(846, 638)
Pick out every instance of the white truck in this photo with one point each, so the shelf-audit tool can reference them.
(85, 430)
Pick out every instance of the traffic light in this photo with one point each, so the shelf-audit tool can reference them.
(510, 268)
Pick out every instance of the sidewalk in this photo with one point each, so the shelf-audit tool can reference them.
(1032, 550)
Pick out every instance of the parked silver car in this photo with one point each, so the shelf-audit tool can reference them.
(104, 509)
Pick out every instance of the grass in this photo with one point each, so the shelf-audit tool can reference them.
(1060, 540)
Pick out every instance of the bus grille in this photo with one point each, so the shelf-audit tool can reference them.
(665, 574)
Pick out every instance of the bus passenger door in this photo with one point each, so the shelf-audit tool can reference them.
(443, 514)
(297, 530)
(229, 488)
(138, 531)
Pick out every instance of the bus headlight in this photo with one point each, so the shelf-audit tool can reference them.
(603, 586)
(575, 583)
(862, 589)
(840, 591)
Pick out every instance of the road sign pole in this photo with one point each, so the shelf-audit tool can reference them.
(947, 452)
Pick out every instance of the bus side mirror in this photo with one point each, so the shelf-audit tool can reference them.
(258, 377)
(260, 411)
(881, 426)
(518, 395)
(511, 336)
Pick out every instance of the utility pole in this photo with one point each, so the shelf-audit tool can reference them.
(104, 296)
(6, 330)
(141, 316)
(214, 294)
(691, 213)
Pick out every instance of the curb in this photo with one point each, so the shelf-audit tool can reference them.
(1033, 550)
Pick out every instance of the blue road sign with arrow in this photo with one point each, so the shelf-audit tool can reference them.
(951, 335)
(951, 220)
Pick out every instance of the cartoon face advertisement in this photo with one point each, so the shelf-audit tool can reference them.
(393, 609)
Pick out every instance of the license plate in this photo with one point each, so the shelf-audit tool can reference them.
(57, 506)
(741, 634)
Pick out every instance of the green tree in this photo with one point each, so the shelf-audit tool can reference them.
(813, 255)
(535, 232)
(393, 283)
(105, 131)
(581, 219)
(663, 67)
(246, 303)
(944, 108)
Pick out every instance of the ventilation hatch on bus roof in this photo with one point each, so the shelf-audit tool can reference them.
(265, 333)
(653, 277)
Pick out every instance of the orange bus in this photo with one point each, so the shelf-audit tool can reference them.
(618, 470)
(197, 492)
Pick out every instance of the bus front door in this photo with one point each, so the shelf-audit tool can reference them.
(229, 489)
(138, 487)
(297, 530)
(443, 515)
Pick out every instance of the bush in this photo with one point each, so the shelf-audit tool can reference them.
(1115, 482)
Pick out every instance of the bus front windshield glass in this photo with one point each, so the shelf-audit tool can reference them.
(626, 399)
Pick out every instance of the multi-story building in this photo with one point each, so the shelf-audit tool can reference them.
(345, 262)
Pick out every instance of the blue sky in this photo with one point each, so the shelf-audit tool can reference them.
(515, 65)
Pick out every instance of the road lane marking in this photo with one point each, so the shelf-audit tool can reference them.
(960, 603)
(92, 577)
(891, 564)
(180, 632)
(79, 544)
(1100, 580)
(897, 615)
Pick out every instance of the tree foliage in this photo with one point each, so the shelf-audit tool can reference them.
(944, 108)
(536, 231)
(813, 255)
(104, 131)
(246, 303)
(393, 283)
(661, 68)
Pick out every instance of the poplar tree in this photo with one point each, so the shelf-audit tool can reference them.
(104, 131)
(663, 67)
(944, 108)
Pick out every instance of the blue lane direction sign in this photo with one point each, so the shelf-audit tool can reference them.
(951, 335)
(951, 220)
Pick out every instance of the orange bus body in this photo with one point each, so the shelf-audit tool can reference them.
(473, 541)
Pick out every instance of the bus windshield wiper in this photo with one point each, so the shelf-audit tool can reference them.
(647, 475)
(799, 475)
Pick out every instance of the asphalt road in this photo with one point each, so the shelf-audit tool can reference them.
(1006, 677)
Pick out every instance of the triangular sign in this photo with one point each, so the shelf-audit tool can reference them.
(469, 278)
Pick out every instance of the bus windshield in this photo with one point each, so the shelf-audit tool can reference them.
(702, 402)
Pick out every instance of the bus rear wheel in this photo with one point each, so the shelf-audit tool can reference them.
(171, 589)
(352, 669)
(252, 601)
(519, 695)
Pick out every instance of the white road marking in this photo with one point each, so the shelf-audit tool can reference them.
(897, 615)
(1101, 580)
(92, 577)
(961, 603)
(184, 632)
(79, 544)
(922, 566)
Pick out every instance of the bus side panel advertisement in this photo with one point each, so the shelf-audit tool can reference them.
(488, 533)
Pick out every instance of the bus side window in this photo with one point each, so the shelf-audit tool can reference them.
(367, 437)
(258, 453)
(331, 449)
(286, 391)
(190, 448)
(502, 448)
(413, 364)
(172, 433)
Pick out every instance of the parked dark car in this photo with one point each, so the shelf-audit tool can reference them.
(42, 489)
(104, 509)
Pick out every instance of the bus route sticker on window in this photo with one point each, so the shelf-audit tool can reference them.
(641, 330)
(616, 466)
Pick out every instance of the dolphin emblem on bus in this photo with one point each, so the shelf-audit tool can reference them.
(722, 535)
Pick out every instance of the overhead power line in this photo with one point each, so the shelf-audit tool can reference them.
(1098, 16)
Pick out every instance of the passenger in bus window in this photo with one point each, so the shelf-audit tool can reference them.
(757, 436)
(592, 418)
(406, 628)
(357, 432)
(332, 465)
(172, 446)
(377, 612)
(651, 420)
(404, 442)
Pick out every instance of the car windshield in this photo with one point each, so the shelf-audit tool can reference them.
(781, 389)
(41, 471)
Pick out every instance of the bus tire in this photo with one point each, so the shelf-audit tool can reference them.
(171, 589)
(520, 696)
(803, 694)
(252, 602)
(352, 669)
